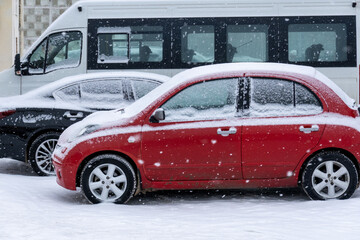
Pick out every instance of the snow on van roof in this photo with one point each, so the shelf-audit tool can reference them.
(217, 70)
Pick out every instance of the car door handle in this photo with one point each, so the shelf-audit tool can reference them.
(73, 116)
(313, 128)
(225, 133)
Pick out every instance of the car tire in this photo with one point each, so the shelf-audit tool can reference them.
(40, 153)
(329, 175)
(100, 185)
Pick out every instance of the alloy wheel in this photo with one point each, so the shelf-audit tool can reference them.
(107, 182)
(330, 179)
(43, 156)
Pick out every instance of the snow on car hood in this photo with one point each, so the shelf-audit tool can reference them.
(104, 121)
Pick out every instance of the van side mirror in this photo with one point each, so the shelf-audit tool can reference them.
(158, 115)
(17, 65)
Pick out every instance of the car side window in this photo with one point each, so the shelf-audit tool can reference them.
(69, 94)
(142, 87)
(104, 94)
(215, 99)
(276, 97)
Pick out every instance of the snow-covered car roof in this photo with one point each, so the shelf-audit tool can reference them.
(49, 88)
(39, 97)
(227, 69)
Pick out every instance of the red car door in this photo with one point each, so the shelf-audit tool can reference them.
(274, 150)
(199, 138)
(283, 123)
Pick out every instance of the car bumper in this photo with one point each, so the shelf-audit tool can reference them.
(65, 168)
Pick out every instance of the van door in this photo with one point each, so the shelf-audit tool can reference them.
(59, 55)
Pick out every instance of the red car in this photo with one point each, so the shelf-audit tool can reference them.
(227, 126)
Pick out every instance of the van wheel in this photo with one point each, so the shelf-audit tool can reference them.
(40, 153)
(108, 178)
(330, 175)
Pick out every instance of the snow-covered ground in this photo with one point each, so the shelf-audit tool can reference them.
(33, 207)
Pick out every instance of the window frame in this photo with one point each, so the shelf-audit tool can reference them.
(294, 82)
(177, 39)
(121, 31)
(58, 98)
(277, 42)
(272, 38)
(350, 23)
(183, 88)
(92, 50)
(46, 54)
(132, 87)
(126, 88)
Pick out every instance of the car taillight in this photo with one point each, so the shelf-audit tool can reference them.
(6, 113)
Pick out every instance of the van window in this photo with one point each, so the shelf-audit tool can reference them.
(63, 51)
(140, 44)
(146, 44)
(247, 43)
(317, 42)
(197, 44)
(37, 59)
(113, 47)
(59, 50)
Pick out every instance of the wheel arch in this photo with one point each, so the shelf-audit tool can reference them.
(343, 151)
(37, 134)
(120, 154)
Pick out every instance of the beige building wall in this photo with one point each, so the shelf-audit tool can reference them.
(6, 34)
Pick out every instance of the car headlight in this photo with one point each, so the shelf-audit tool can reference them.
(84, 131)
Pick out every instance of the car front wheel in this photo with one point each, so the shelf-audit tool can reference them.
(40, 153)
(108, 178)
(330, 175)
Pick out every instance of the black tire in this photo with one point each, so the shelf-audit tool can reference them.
(118, 186)
(329, 175)
(40, 153)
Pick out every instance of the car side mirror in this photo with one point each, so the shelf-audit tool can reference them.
(158, 115)
(17, 65)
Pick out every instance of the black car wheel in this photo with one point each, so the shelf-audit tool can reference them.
(329, 175)
(40, 153)
(108, 178)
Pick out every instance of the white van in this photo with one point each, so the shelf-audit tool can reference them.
(166, 36)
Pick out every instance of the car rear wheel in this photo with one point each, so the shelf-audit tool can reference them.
(40, 153)
(330, 175)
(108, 178)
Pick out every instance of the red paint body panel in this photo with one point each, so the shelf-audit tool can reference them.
(262, 153)
(274, 151)
(188, 154)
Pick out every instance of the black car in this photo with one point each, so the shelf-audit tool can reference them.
(31, 124)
